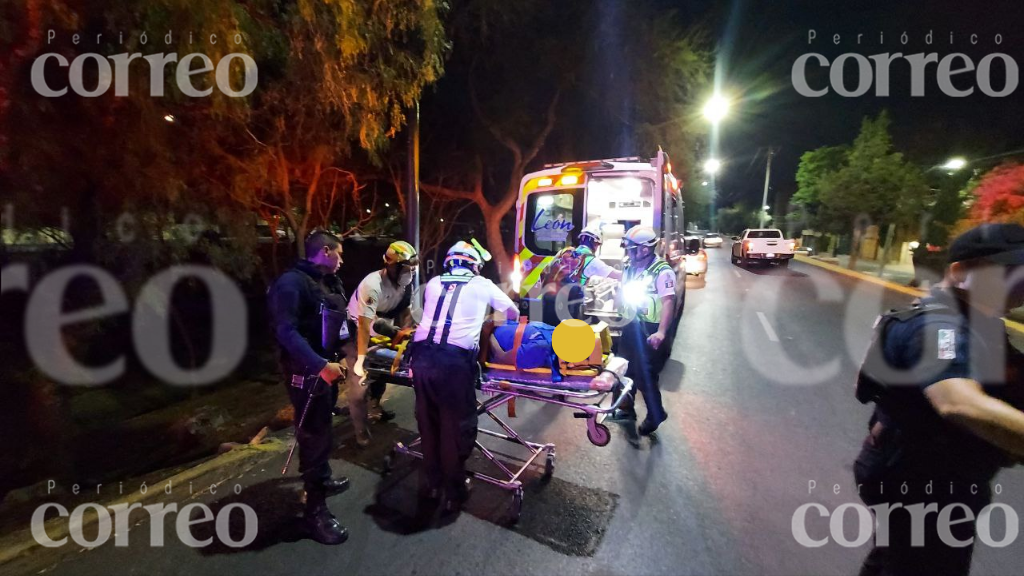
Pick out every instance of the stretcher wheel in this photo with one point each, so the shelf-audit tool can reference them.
(549, 466)
(517, 505)
(389, 464)
(599, 435)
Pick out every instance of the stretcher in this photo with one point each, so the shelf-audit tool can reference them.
(591, 392)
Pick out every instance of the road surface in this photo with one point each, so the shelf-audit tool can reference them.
(760, 396)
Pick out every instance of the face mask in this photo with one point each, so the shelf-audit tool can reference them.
(405, 278)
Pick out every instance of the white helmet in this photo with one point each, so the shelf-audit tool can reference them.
(590, 236)
(468, 254)
(641, 236)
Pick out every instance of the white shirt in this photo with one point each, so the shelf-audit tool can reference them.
(375, 294)
(470, 310)
(665, 283)
(597, 268)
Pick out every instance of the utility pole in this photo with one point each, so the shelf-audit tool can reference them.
(767, 178)
(412, 184)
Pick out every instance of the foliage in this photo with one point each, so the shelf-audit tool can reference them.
(999, 195)
(814, 169)
(870, 183)
(545, 82)
(737, 218)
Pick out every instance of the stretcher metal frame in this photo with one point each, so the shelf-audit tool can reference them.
(588, 404)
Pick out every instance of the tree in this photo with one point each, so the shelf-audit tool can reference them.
(518, 91)
(816, 167)
(999, 195)
(869, 183)
(734, 219)
(334, 79)
(346, 75)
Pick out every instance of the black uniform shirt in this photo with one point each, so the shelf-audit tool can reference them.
(294, 302)
(934, 347)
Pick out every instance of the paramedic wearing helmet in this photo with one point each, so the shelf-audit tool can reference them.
(593, 267)
(649, 294)
(444, 365)
(381, 301)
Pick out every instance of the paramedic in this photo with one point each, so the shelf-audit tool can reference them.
(593, 267)
(444, 364)
(381, 301)
(649, 296)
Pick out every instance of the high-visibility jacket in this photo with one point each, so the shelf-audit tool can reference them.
(650, 309)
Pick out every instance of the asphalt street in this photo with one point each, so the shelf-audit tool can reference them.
(762, 420)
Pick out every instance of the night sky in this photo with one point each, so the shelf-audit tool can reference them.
(760, 40)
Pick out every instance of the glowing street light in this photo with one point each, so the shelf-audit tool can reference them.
(767, 207)
(955, 164)
(716, 109)
(169, 118)
(712, 166)
(704, 183)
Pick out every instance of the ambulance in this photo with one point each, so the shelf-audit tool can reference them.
(555, 204)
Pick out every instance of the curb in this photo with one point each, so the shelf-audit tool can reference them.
(1012, 325)
(58, 528)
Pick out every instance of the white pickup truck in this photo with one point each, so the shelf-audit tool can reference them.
(762, 245)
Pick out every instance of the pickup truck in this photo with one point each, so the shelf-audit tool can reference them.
(762, 245)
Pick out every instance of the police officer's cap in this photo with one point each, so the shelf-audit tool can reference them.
(995, 243)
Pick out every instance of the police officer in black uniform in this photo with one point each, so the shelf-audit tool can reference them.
(946, 385)
(307, 308)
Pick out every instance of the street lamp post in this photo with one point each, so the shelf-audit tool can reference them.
(716, 109)
(767, 178)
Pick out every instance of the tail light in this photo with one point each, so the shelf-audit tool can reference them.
(517, 274)
(750, 245)
(702, 255)
(792, 246)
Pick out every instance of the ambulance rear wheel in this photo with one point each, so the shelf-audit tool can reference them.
(599, 435)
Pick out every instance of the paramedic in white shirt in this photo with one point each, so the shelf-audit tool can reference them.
(380, 305)
(593, 267)
(444, 365)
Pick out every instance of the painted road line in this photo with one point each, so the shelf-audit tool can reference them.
(768, 327)
(737, 273)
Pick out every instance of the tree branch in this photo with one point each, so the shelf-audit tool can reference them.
(542, 137)
(512, 145)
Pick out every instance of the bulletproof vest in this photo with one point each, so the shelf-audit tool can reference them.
(323, 321)
(873, 385)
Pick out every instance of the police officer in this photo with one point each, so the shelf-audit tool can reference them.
(381, 301)
(307, 309)
(444, 364)
(649, 296)
(944, 379)
(593, 267)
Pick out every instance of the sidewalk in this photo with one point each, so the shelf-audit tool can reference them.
(893, 272)
(1014, 320)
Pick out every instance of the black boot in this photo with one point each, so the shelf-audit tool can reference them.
(335, 485)
(648, 426)
(322, 526)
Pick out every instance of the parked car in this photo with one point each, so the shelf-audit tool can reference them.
(762, 245)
